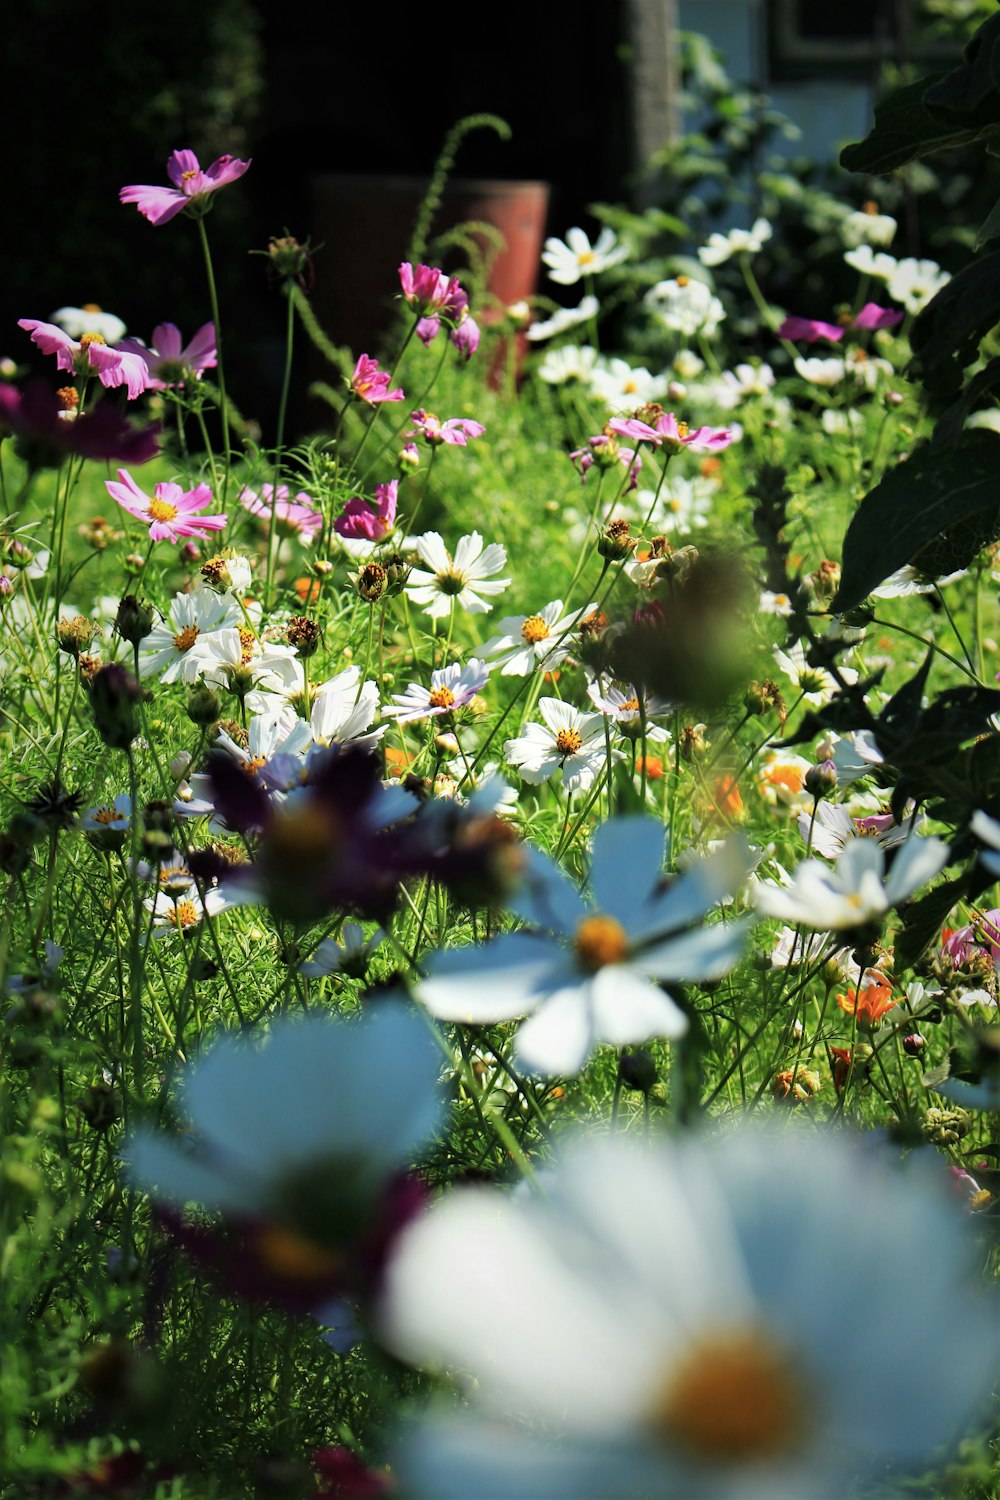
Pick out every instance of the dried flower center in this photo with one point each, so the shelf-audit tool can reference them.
(568, 741)
(534, 629)
(450, 582)
(248, 642)
(600, 940)
(69, 397)
(108, 815)
(441, 697)
(183, 914)
(734, 1397)
(162, 510)
(185, 639)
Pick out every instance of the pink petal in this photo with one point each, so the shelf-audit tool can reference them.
(200, 353)
(51, 340)
(158, 204)
(166, 341)
(179, 163)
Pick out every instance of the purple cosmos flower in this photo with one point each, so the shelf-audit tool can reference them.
(670, 433)
(171, 514)
(466, 337)
(297, 515)
(456, 430)
(360, 521)
(604, 450)
(371, 385)
(810, 330)
(113, 367)
(46, 431)
(438, 298)
(873, 316)
(168, 361)
(191, 189)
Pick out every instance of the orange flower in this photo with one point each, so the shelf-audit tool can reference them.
(871, 1004)
(653, 766)
(726, 796)
(396, 761)
(308, 589)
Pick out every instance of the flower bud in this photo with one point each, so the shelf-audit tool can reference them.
(821, 780)
(616, 544)
(397, 571)
(637, 1070)
(134, 620)
(304, 634)
(203, 706)
(693, 744)
(371, 582)
(408, 460)
(914, 1044)
(115, 696)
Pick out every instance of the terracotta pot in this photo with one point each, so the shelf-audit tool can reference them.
(364, 225)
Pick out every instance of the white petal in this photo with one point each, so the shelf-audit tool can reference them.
(495, 982)
(558, 1037)
(628, 1008)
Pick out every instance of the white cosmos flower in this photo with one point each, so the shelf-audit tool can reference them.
(570, 260)
(818, 371)
(623, 708)
(686, 306)
(832, 828)
(464, 578)
(915, 282)
(866, 262)
(868, 228)
(113, 817)
(348, 956)
(623, 387)
(721, 247)
(816, 684)
(175, 647)
(592, 972)
(733, 387)
(343, 710)
(568, 741)
(564, 318)
(451, 688)
(525, 642)
(723, 1318)
(76, 321)
(229, 651)
(177, 915)
(857, 890)
(560, 366)
(313, 1096)
(856, 755)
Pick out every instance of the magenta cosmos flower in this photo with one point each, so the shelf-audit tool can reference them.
(293, 515)
(438, 298)
(371, 385)
(168, 360)
(457, 430)
(362, 521)
(811, 330)
(604, 450)
(669, 433)
(113, 367)
(46, 431)
(172, 512)
(192, 188)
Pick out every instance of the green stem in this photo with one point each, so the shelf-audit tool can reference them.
(224, 403)
(286, 380)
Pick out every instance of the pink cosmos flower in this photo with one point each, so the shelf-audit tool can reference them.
(168, 362)
(456, 430)
(172, 512)
(873, 316)
(672, 434)
(466, 337)
(191, 187)
(811, 330)
(113, 367)
(360, 521)
(47, 431)
(296, 515)
(439, 298)
(370, 384)
(962, 943)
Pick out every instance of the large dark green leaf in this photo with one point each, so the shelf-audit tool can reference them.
(914, 504)
(983, 384)
(904, 129)
(967, 95)
(964, 310)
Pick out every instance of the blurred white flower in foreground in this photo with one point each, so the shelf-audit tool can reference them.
(858, 890)
(733, 1318)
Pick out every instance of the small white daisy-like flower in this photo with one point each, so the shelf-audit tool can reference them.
(683, 504)
(857, 890)
(348, 956)
(175, 647)
(623, 387)
(568, 364)
(236, 649)
(818, 371)
(915, 282)
(774, 604)
(343, 710)
(541, 640)
(568, 741)
(816, 684)
(868, 227)
(76, 321)
(113, 817)
(722, 247)
(268, 735)
(831, 828)
(562, 319)
(836, 423)
(451, 688)
(625, 707)
(463, 578)
(173, 915)
(570, 260)
(686, 306)
(733, 387)
(866, 262)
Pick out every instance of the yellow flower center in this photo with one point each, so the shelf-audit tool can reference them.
(682, 429)
(290, 1255)
(91, 307)
(534, 630)
(734, 1397)
(683, 281)
(252, 765)
(980, 1200)
(441, 697)
(186, 176)
(248, 641)
(600, 940)
(185, 639)
(630, 706)
(568, 741)
(586, 258)
(162, 510)
(92, 338)
(107, 815)
(183, 914)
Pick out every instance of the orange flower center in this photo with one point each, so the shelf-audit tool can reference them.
(600, 940)
(247, 643)
(162, 510)
(534, 630)
(183, 914)
(568, 741)
(441, 697)
(290, 1255)
(107, 815)
(734, 1397)
(92, 338)
(185, 639)
(252, 765)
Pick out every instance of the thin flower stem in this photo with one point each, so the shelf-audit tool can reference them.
(279, 451)
(220, 370)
